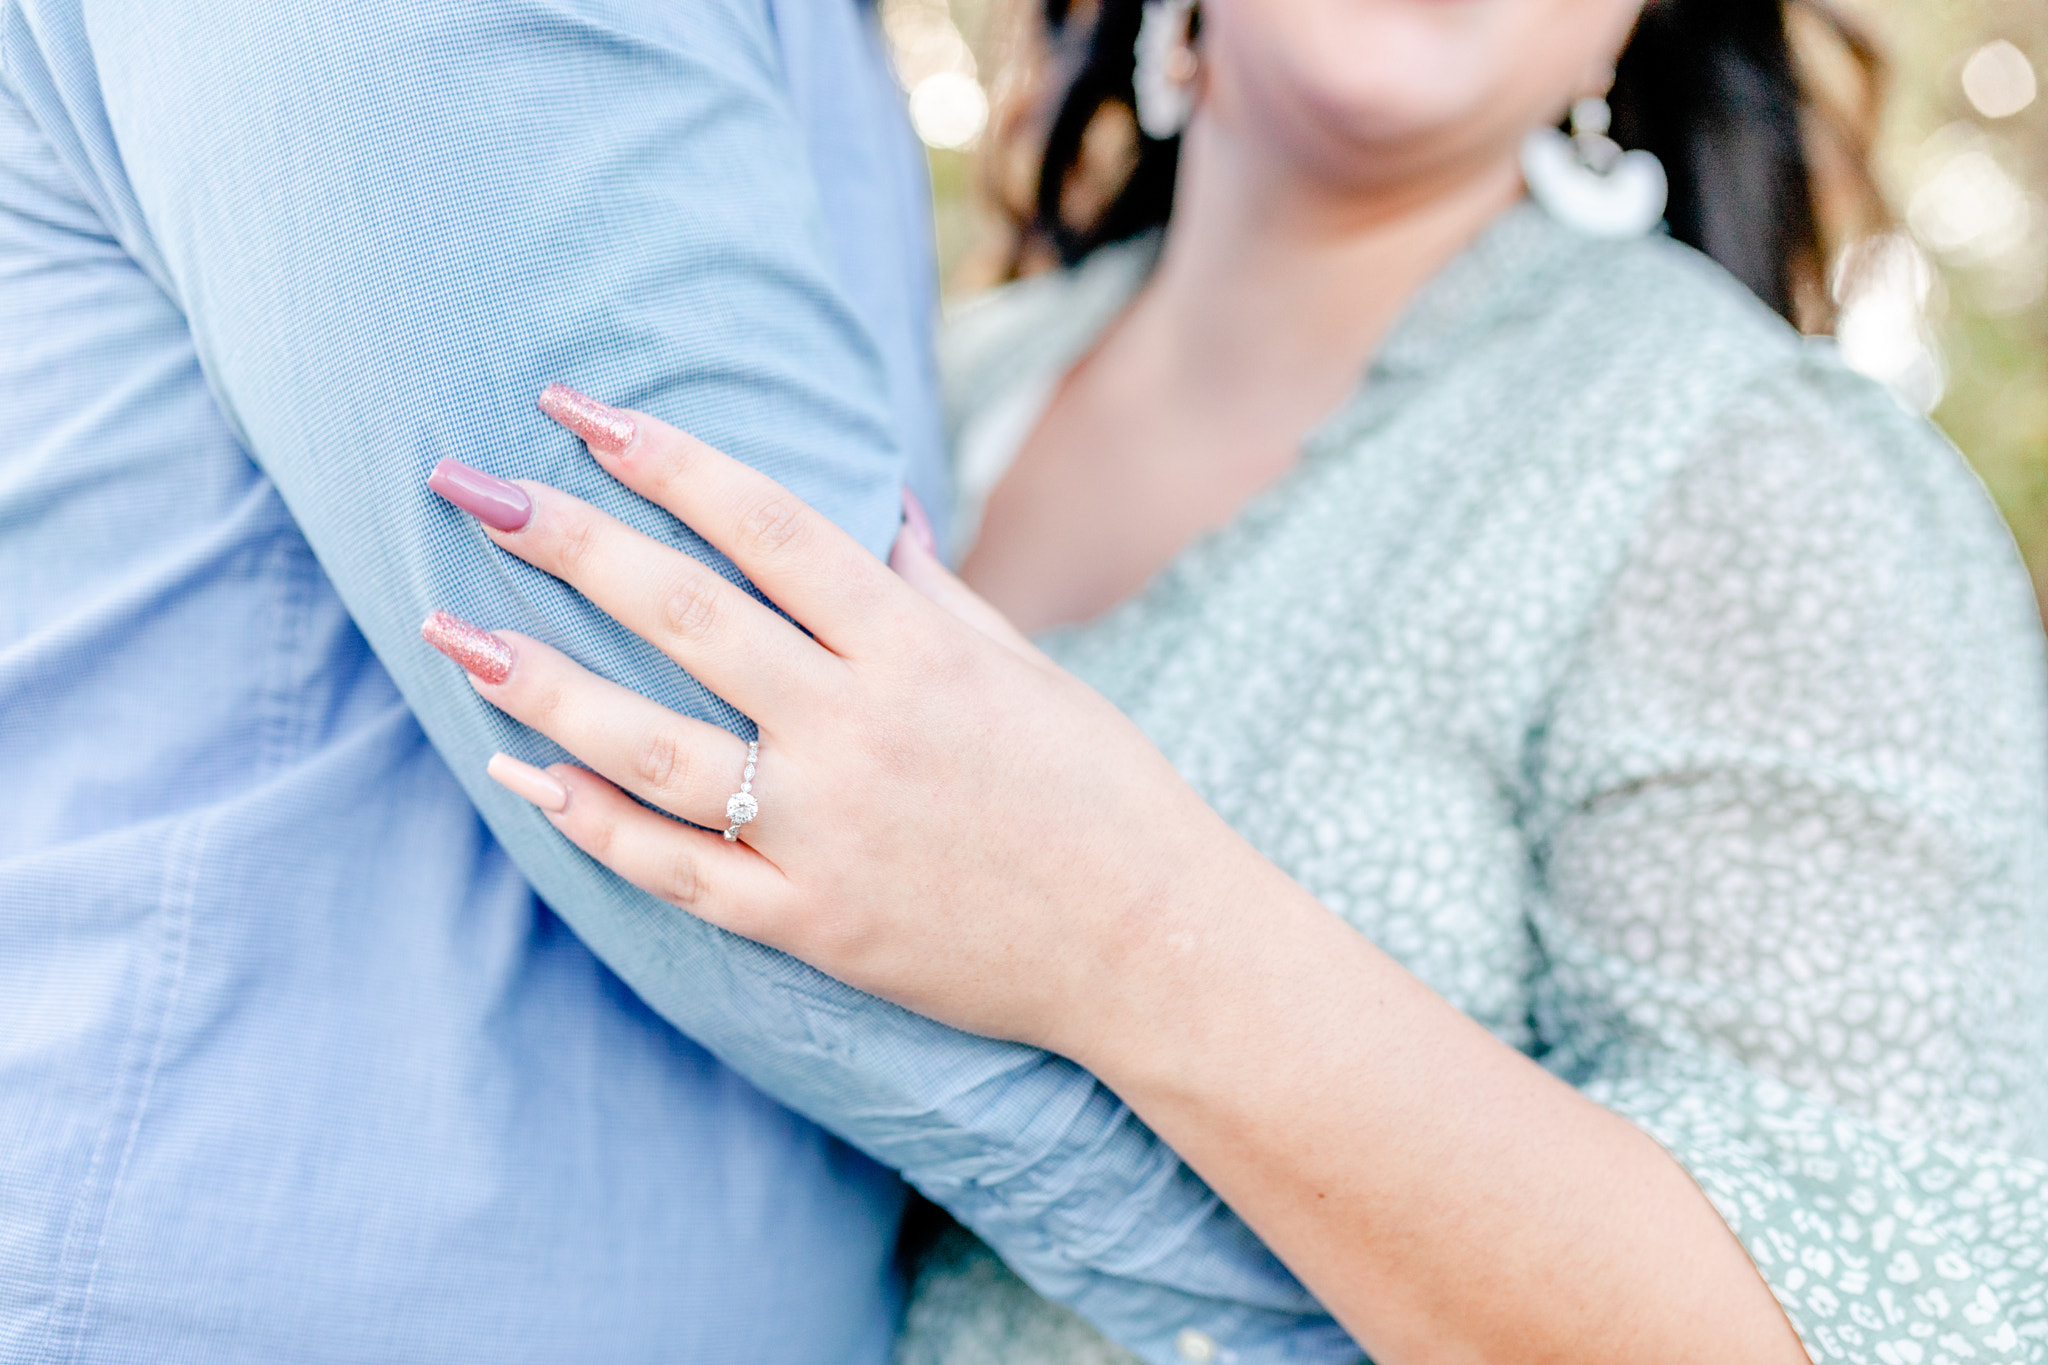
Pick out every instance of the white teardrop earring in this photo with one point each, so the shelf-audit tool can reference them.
(1588, 182)
(1163, 78)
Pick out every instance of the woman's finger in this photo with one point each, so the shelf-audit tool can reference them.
(917, 564)
(684, 766)
(730, 642)
(724, 883)
(807, 566)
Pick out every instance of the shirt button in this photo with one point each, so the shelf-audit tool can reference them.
(1197, 1347)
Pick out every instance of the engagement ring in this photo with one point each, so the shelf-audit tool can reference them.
(741, 806)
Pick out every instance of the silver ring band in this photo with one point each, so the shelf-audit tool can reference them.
(741, 807)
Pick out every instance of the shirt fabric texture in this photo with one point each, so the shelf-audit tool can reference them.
(1664, 696)
(294, 1063)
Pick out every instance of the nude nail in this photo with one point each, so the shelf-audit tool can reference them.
(480, 653)
(604, 429)
(495, 502)
(529, 783)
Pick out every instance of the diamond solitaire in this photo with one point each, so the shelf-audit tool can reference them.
(741, 807)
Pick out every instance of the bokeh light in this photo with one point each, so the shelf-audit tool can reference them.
(948, 109)
(1998, 80)
(1886, 287)
(1966, 205)
(948, 106)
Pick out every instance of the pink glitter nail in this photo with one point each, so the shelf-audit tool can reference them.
(477, 650)
(605, 430)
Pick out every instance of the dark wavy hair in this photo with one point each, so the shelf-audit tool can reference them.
(1753, 148)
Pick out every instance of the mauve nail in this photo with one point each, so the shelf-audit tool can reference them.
(920, 525)
(491, 500)
(476, 649)
(605, 430)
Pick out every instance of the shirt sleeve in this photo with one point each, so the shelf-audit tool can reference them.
(388, 225)
(1791, 901)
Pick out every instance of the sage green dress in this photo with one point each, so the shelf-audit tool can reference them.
(1667, 698)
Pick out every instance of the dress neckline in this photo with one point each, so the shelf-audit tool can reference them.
(1492, 279)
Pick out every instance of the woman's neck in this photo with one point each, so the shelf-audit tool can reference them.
(1268, 299)
(1271, 283)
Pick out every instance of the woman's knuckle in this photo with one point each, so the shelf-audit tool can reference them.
(775, 524)
(682, 880)
(575, 543)
(689, 610)
(661, 763)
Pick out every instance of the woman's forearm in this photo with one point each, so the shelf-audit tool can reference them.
(1447, 1198)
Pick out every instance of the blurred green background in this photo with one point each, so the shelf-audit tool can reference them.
(1949, 305)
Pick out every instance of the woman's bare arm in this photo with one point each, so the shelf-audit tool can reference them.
(918, 837)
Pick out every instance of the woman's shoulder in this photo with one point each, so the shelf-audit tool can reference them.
(1651, 352)
(1757, 449)
(1659, 316)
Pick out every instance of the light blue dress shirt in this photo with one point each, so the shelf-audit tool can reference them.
(293, 1063)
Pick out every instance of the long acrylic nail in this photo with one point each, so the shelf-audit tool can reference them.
(920, 525)
(604, 429)
(498, 504)
(529, 783)
(478, 651)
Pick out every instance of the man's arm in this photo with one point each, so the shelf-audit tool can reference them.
(389, 224)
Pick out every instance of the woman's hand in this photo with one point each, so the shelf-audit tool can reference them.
(950, 821)
(945, 819)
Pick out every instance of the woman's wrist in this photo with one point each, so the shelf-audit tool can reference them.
(1216, 936)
